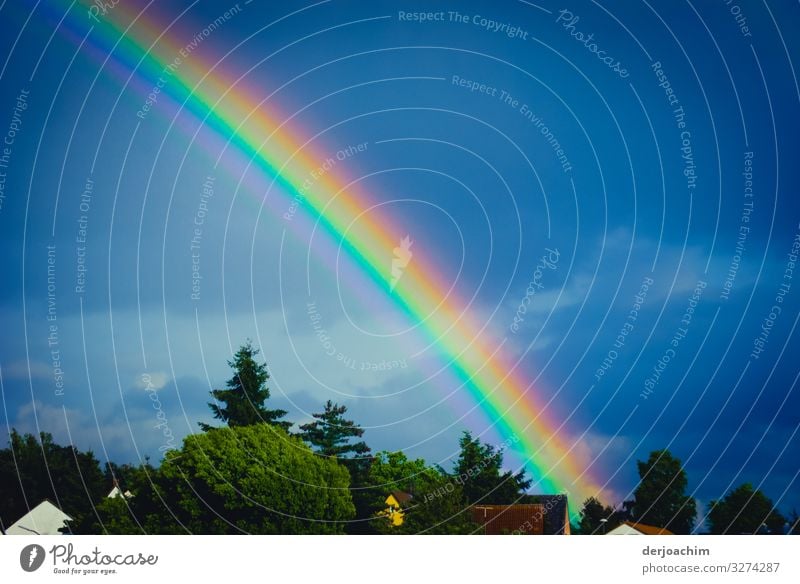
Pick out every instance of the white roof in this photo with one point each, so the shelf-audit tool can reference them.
(117, 492)
(624, 529)
(44, 519)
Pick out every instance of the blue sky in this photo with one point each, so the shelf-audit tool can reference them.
(479, 188)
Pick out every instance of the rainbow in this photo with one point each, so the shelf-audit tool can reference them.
(146, 46)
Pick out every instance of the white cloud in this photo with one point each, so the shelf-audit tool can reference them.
(152, 380)
(69, 426)
(24, 369)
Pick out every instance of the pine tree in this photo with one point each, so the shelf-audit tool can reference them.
(242, 403)
(480, 468)
(331, 434)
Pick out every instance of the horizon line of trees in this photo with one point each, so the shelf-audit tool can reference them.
(253, 475)
(661, 500)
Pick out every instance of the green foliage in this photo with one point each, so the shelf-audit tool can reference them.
(243, 400)
(145, 512)
(660, 499)
(245, 479)
(393, 471)
(745, 510)
(389, 471)
(438, 504)
(32, 470)
(438, 507)
(331, 434)
(592, 514)
(254, 479)
(113, 517)
(480, 469)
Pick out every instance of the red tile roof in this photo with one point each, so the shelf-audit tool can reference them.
(402, 497)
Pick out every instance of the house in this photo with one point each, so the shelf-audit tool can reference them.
(44, 519)
(631, 528)
(523, 519)
(117, 492)
(543, 515)
(394, 507)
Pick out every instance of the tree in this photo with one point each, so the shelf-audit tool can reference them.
(331, 434)
(794, 523)
(480, 468)
(244, 479)
(144, 512)
(745, 510)
(32, 470)
(394, 471)
(247, 391)
(592, 515)
(661, 499)
(388, 472)
(438, 507)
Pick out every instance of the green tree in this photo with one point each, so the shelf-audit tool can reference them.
(32, 470)
(144, 512)
(245, 479)
(394, 471)
(479, 468)
(388, 472)
(438, 507)
(243, 400)
(661, 499)
(254, 479)
(592, 515)
(745, 510)
(332, 435)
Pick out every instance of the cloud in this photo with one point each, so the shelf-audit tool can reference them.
(32, 369)
(68, 426)
(152, 380)
(677, 271)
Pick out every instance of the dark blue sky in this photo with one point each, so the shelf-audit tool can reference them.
(649, 186)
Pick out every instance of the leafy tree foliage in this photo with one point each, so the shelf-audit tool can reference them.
(395, 471)
(661, 499)
(438, 507)
(145, 512)
(438, 504)
(745, 510)
(254, 477)
(32, 470)
(245, 479)
(480, 468)
(388, 472)
(242, 403)
(332, 435)
(592, 514)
